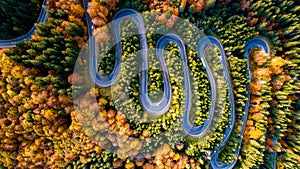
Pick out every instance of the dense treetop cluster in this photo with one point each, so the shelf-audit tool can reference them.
(16, 19)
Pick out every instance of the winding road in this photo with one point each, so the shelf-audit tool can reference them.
(215, 164)
(10, 42)
(262, 45)
(251, 44)
(159, 108)
(163, 105)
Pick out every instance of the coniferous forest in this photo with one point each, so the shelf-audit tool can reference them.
(18, 16)
(43, 125)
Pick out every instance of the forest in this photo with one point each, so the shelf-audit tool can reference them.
(53, 116)
(16, 19)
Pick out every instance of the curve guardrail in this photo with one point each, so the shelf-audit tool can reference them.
(10, 42)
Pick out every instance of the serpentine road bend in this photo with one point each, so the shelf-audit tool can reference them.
(162, 106)
(215, 164)
(261, 44)
(202, 131)
(254, 43)
(159, 108)
(10, 42)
